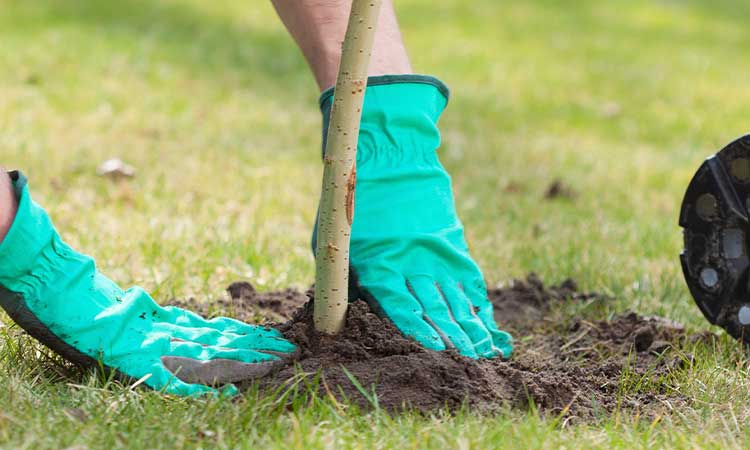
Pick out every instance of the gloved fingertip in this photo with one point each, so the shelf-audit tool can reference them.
(287, 349)
(228, 391)
(175, 386)
(505, 350)
(498, 349)
(490, 354)
(202, 391)
(503, 340)
(430, 342)
(274, 333)
(469, 352)
(181, 389)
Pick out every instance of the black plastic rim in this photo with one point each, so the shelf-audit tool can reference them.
(714, 217)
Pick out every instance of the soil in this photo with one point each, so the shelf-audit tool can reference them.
(558, 189)
(248, 305)
(572, 368)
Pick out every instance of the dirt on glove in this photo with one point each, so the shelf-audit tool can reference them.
(572, 368)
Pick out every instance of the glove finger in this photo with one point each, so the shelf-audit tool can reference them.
(196, 363)
(138, 303)
(218, 371)
(184, 389)
(438, 314)
(400, 307)
(197, 389)
(263, 339)
(164, 380)
(187, 318)
(477, 294)
(463, 311)
(202, 352)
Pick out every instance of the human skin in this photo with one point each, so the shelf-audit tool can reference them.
(8, 204)
(318, 27)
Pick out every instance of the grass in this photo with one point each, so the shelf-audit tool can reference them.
(213, 105)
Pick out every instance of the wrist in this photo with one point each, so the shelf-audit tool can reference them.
(327, 60)
(8, 204)
(31, 232)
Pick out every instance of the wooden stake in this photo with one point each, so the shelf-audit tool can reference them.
(340, 171)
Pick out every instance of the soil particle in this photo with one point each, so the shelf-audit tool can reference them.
(643, 338)
(513, 187)
(558, 189)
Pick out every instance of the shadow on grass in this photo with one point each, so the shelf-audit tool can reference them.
(206, 45)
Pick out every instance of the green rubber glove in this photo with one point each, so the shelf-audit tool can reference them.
(57, 295)
(409, 258)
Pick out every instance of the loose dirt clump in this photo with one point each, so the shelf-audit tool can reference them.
(524, 304)
(558, 189)
(248, 305)
(578, 369)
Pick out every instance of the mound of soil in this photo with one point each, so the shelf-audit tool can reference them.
(577, 371)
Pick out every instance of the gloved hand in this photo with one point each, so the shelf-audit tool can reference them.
(57, 295)
(409, 258)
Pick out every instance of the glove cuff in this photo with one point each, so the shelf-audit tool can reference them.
(326, 97)
(31, 232)
(399, 116)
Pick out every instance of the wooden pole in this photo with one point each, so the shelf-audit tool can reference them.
(340, 171)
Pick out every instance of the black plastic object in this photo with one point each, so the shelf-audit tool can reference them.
(714, 217)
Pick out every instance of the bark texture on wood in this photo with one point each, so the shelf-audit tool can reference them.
(339, 172)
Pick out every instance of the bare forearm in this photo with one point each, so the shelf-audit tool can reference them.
(7, 204)
(318, 27)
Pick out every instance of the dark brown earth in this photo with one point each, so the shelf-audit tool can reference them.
(248, 305)
(558, 189)
(578, 369)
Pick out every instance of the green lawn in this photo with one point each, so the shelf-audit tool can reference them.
(214, 106)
